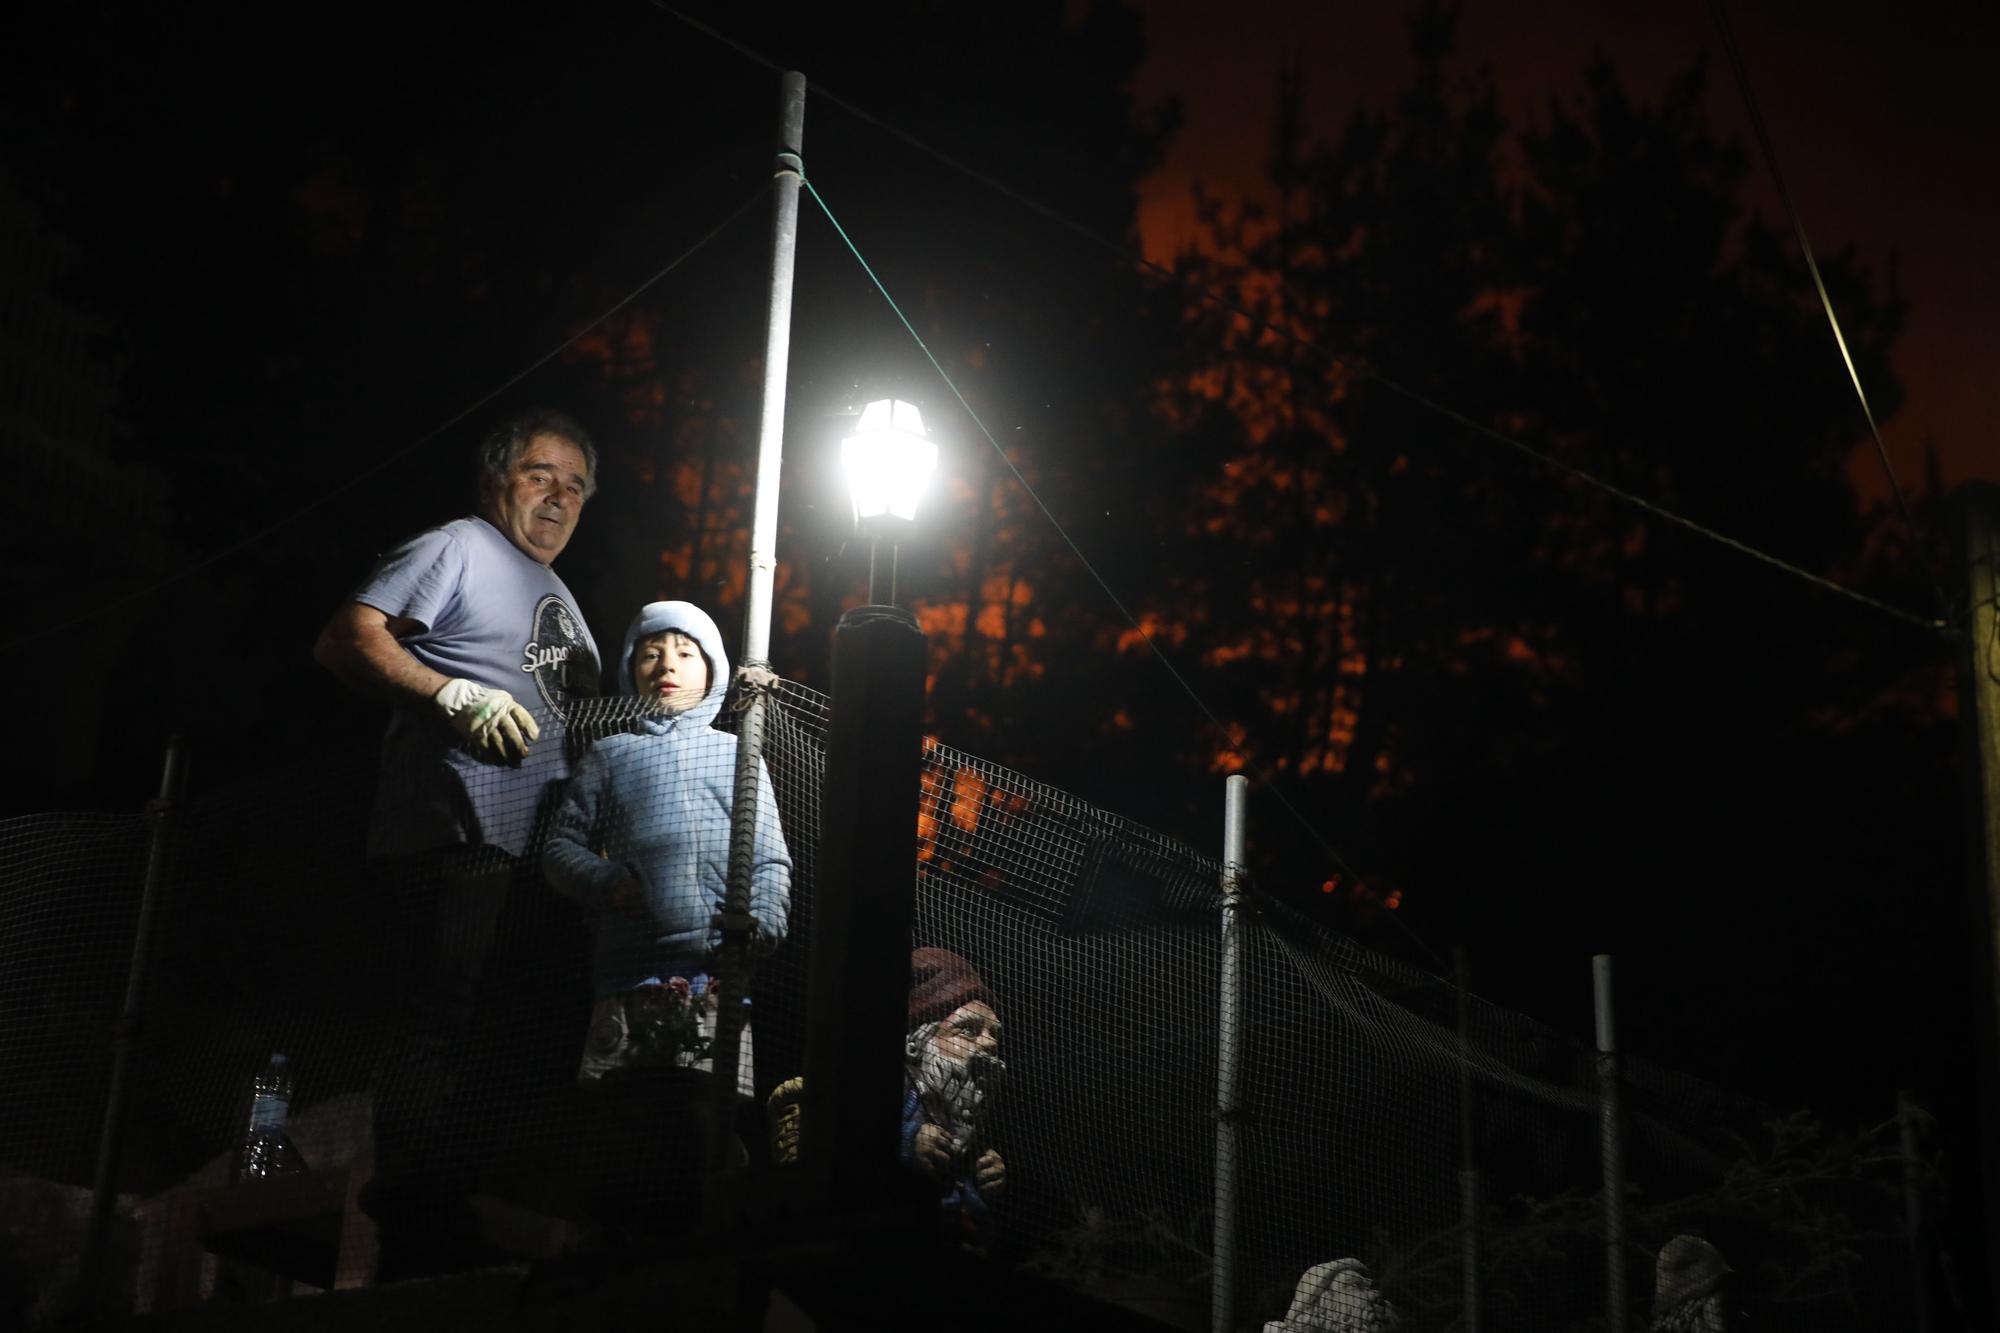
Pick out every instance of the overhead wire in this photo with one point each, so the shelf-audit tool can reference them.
(1221, 301)
(352, 480)
(1930, 623)
(903, 136)
(1355, 366)
(1720, 15)
(1159, 654)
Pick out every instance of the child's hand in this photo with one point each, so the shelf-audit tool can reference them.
(628, 898)
(989, 1172)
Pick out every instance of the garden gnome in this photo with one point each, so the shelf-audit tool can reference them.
(1336, 1297)
(1687, 1287)
(952, 1064)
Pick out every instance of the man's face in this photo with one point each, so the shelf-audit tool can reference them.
(538, 503)
(669, 670)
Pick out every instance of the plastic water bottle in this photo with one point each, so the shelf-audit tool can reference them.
(266, 1150)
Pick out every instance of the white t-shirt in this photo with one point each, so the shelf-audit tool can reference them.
(492, 615)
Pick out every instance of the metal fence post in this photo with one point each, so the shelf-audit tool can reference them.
(1976, 554)
(111, 1140)
(1913, 1210)
(1228, 1106)
(733, 965)
(1612, 1128)
(1468, 1172)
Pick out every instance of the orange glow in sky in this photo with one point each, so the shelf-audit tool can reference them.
(1883, 118)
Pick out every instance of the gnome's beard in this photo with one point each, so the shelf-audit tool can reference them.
(953, 1092)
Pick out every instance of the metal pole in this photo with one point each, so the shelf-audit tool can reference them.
(1612, 1134)
(788, 170)
(111, 1141)
(1913, 1211)
(1468, 1173)
(1976, 539)
(1228, 1103)
(733, 962)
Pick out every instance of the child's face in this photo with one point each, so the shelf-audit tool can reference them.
(669, 670)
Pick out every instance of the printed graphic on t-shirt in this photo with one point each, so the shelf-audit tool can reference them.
(559, 657)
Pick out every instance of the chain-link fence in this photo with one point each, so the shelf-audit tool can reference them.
(356, 1063)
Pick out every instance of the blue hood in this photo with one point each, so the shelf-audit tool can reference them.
(691, 620)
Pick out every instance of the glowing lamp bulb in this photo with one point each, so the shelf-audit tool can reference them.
(888, 460)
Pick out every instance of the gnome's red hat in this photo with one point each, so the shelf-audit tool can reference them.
(941, 981)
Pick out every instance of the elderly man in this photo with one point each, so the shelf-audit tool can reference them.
(952, 1062)
(452, 623)
(478, 647)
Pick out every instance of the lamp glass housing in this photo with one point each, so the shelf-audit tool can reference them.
(888, 462)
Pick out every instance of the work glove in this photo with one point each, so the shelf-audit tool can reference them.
(496, 729)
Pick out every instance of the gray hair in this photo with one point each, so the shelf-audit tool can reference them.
(499, 451)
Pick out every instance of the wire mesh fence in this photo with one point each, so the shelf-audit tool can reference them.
(499, 1052)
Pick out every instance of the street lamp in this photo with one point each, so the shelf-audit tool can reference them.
(887, 460)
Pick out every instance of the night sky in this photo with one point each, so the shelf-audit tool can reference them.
(304, 253)
(1884, 123)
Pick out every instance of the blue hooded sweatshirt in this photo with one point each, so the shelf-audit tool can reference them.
(653, 802)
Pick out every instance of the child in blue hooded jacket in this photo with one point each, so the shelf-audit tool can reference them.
(642, 837)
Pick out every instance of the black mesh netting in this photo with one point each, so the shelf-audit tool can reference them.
(524, 1028)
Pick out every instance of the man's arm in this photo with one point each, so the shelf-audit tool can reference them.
(359, 645)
